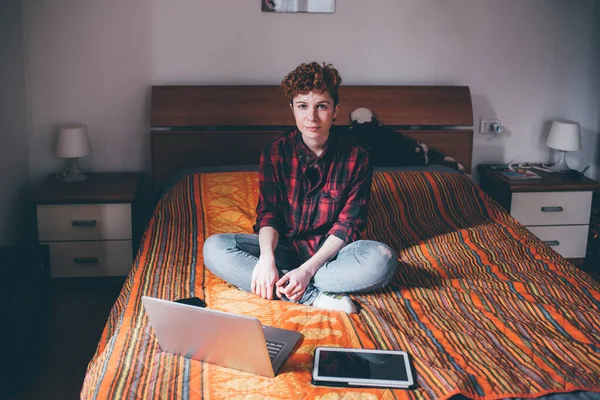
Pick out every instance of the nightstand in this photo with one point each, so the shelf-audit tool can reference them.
(555, 208)
(89, 226)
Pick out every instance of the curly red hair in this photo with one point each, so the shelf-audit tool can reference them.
(314, 76)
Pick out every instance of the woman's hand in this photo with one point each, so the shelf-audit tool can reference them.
(294, 283)
(264, 277)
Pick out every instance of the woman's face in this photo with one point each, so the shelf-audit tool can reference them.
(314, 113)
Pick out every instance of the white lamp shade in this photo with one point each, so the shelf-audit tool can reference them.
(73, 141)
(564, 135)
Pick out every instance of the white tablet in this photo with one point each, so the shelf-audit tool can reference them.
(362, 367)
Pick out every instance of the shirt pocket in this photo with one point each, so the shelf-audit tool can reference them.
(330, 203)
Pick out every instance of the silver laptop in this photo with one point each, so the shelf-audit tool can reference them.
(216, 337)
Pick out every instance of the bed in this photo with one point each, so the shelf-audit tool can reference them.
(483, 307)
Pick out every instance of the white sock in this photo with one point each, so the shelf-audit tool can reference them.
(335, 302)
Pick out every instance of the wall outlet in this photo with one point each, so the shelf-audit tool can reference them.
(490, 125)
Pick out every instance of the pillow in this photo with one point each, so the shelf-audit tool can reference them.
(203, 170)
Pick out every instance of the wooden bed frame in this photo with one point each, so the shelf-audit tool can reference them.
(195, 126)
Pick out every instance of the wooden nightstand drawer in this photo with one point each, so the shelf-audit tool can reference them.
(568, 241)
(552, 208)
(84, 222)
(81, 259)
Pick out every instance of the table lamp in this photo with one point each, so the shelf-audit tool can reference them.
(72, 142)
(564, 136)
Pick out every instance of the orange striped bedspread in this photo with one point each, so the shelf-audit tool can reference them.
(483, 307)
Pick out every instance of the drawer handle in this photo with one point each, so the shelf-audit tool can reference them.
(83, 222)
(552, 209)
(85, 260)
(552, 242)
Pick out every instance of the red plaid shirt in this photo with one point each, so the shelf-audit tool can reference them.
(306, 198)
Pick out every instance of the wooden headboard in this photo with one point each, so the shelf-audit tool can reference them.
(194, 126)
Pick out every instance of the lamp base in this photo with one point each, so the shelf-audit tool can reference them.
(72, 173)
(71, 176)
(561, 165)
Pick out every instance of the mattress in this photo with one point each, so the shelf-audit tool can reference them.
(483, 307)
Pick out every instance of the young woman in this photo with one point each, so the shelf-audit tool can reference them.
(314, 192)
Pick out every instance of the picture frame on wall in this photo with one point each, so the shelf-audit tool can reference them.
(298, 6)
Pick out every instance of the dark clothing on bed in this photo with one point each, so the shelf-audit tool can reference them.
(306, 198)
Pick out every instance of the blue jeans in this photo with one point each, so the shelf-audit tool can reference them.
(361, 266)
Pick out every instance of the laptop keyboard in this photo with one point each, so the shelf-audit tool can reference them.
(274, 348)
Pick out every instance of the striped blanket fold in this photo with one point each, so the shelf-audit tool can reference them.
(483, 307)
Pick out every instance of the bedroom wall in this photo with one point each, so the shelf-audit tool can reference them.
(526, 61)
(14, 150)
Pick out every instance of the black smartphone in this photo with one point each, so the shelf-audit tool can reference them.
(192, 301)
